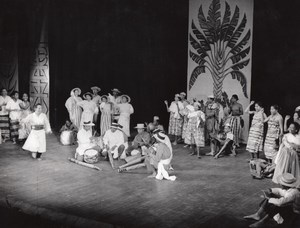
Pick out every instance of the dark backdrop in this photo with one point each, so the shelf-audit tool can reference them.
(140, 47)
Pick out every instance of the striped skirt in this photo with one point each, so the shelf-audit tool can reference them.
(272, 140)
(4, 125)
(14, 129)
(105, 122)
(235, 123)
(195, 134)
(255, 138)
(184, 128)
(175, 125)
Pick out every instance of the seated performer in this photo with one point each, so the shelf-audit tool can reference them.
(115, 142)
(68, 133)
(84, 139)
(139, 143)
(277, 200)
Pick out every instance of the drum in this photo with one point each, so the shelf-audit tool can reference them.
(66, 138)
(91, 156)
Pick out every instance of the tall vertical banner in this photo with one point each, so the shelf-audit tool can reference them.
(220, 51)
(39, 73)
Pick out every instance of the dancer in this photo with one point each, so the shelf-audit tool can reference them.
(73, 108)
(25, 106)
(176, 120)
(277, 201)
(195, 129)
(296, 119)
(4, 116)
(125, 110)
(211, 117)
(13, 107)
(106, 112)
(236, 111)
(36, 141)
(274, 133)
(256, 133)
(89, 108)
(287, 160)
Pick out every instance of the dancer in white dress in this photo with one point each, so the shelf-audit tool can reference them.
(72, 107)
(89, 108)
(125, 110)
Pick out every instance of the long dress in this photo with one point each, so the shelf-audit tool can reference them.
(212, 118)
(14, 117)
(24, 129)
(176, 120)
(4, 117)
(89, 108)
(36, 141)
(256, 134)
(125, 110)
(106, 111)
(74, 110)
(195, 130)
(272, 138)
(287, 159)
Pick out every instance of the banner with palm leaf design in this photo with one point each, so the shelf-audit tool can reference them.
(219, 52)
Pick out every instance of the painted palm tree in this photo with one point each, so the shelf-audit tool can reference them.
(219, 47)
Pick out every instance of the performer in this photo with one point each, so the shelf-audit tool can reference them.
(236, 111)
(211, 116)
(176, 120)
(68, 133)
(255, 138)
(89, 108)
(274, 133)
(140, 142)
(277, 201)
(106, 112)
(125, 110)
(296, 119)
(13, 107)
(4, 116)
(115, 142)
(195, 129)
(188, 108)
(84, 139)
(287, 159)
(25, 106)
(73, 108)
(36, 141)
(115, 99)
(97, 100)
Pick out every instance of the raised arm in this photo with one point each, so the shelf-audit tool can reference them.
(167, 106)
(247, 110)
(285, 127)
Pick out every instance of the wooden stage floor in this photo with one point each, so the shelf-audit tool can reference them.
(207, 192)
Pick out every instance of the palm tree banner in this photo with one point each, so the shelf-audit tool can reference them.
(220, 50)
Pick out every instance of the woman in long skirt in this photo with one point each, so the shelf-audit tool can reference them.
(106, 112)
(176, 120)
(24, 129)
(274, 133)
(256, 133)
(36, 141)
(125, 109)
(4, 115)
(287, 159)
(89, 108)
(236, 110)
(72, 107)
(13, 107)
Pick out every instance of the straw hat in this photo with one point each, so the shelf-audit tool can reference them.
(182, 94)
(104, 96)
(88, 123)
(211, 96)
(156, 131)
(73, 90)
(160, 137)
(96, 88)
(87, 93)
(116, 126)
(140, 126)
(287, 179)
(116, 90)
(128, 98)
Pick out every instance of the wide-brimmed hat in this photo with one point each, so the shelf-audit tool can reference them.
(87, 93)
(156, 131)
(211, 96)
(128, 98)
(104, 96)
(96, 88)
(182, 94)
(88, 123)
(116, 126)
(287, 179)
(140, 126)
(160, 137)
(73, 90)
(116, 90)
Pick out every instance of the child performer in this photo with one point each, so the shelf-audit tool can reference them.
(36, 141)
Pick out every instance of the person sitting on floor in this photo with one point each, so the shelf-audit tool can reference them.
(84, 139)
(115, 142)
(139, 143)
(224, 139)
(68, 133)
(277, 201)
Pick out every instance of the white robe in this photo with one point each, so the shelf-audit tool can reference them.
(74, 110)
(11, 104)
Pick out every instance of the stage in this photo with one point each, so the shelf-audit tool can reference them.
(207, 192)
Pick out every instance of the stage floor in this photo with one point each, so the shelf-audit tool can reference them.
(207, 192)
